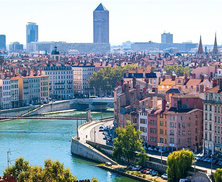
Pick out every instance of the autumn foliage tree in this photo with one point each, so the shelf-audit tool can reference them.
(178, 164)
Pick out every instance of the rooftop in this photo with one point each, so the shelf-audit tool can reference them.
(101, 8)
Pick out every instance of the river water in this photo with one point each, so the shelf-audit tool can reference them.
(37, 140)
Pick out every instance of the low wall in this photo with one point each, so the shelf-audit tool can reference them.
(55, 106)
(88, 152)
(17, 111)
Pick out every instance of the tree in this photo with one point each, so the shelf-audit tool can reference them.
(106, 78)
(142, 157)
(177, 69)
(52, 172)
(218, 175)
(178, 164)
(127, 143)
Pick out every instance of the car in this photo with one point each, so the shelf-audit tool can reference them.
(149, 171)
(164, 176)
(144, 171)
(138, 168)
(101, 128)
(154, 173)
(108, 164)
(185, 180)
(155, 149)
(150, 148)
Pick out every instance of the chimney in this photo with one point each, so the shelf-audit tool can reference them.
(121, 83)
(179, 104)
(164, 104)
(134, 82)
(164, 77)
(220, 84)
(214, 83)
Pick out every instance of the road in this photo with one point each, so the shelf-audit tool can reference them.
(86, 132)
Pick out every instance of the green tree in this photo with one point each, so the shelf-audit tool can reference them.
(106, 78)
(142, 157)
(218, 175)
(52, 172)
(127, 143)
(177, 69)
(178, 164)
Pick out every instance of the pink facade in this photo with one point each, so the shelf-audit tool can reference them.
(208, 70)
(185, 129)
(152, 128)
(187, 102)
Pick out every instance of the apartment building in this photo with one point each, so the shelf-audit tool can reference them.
(60, 81)
(185, 125)
(14, 92)
(213, 120)
(81, 74)
(5, 91)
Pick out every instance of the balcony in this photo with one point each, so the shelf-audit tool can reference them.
(212, 102)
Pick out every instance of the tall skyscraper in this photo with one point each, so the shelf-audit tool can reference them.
(31, 32)
(101, 25)
(166, 38)
(2, 42)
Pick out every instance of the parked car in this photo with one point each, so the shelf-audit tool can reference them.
(185, 180)
(149, 171)
(164, 176)
(150, 148)
(138, 168)
(101, 128)
(154, 173)
(108, 163)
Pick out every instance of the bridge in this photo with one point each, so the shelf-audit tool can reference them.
(98, 103)
(39, 117)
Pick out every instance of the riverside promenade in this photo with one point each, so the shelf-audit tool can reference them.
(79, 144)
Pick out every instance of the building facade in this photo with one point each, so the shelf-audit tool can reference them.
(81, 75)
(31, 32)
(5, 90)
(213, 120)
(2, 42)
(60, 81)
(101, 25)
(14, 92)
(167, 38)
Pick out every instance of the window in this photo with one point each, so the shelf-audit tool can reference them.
(215, 119)
(161, 131)
(172, 132)
(143, 121)
(172, 140)
(171, 124)
(215, 108)
(210, 108)
(161, 123)
(161, 140)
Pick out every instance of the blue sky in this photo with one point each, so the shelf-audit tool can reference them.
(134, 20)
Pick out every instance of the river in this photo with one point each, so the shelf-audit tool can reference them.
(37, 140)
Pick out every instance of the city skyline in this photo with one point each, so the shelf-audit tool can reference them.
(129, 20)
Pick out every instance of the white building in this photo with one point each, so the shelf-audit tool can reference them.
(60, 81)
(212, 133)
(15, 92)
(81, 75)
(143, 116)
(5, 91)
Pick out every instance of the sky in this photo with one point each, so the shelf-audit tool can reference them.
(130, 20)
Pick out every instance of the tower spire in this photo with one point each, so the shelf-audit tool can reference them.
(200, 49)
(215, 49)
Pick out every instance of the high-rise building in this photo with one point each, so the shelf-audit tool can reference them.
(15, 47)
(2, 42)
(166, 38)
(31, 32)
(101, 25)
